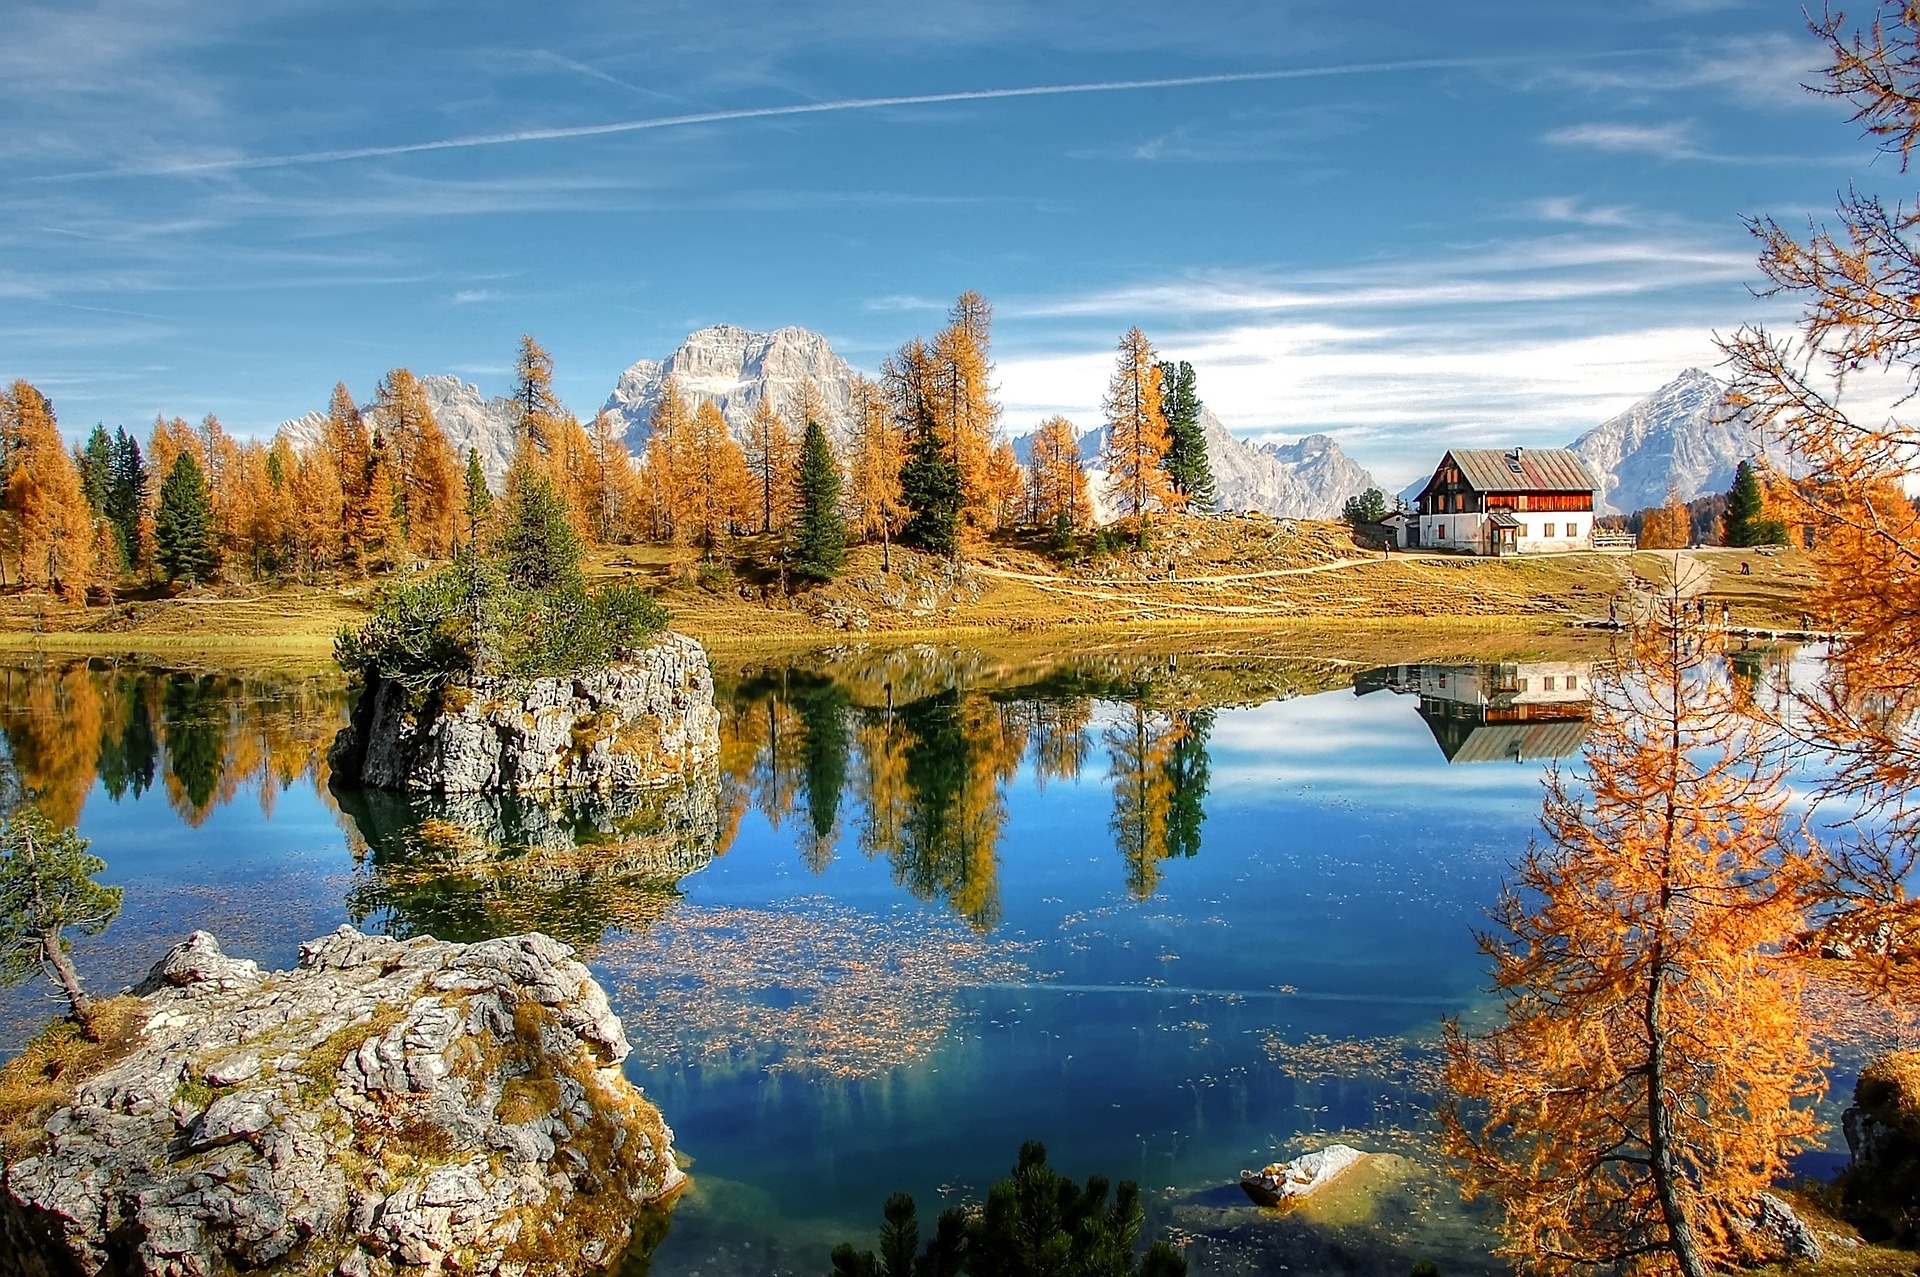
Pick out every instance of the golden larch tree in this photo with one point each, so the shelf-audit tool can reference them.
(1056, 480)
(773, 462)
(350, 444)
(536, 411)
(319, 506)
(1136, 430)
(52, 526)
(714, 490)
(1667, 527)
(968, 415)
(666, 459)
(1651, 1073)
(617, 499)
(423, 464)
(873, 475)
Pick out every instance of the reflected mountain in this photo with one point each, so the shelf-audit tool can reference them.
(471, 866)
(1521, 712)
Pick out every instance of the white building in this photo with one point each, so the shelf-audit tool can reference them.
(1514, 501)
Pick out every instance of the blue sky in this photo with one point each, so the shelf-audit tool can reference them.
(1466, 221)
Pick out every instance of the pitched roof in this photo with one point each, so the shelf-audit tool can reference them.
(1524, 470)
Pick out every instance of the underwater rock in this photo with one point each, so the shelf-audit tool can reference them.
(1288, 1183)
(386, 1105)
(640, 721)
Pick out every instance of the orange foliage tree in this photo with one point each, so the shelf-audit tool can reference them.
(1645, 1087)
(616, 496)
(879, 450)
(50, 523)
(1056, 481)
(773, 462)
(713, 489)
(1669, 527)
(1136, 430)
(1858, 286)
(969, 415)
(424, 468)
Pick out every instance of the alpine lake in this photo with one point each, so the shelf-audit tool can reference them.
(1172, 914)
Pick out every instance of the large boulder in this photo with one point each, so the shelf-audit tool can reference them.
(386, 1106)
(1881, 1189)
(640, 721)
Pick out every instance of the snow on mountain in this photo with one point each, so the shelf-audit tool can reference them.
(485, 425)
(1310, 479)
(1682, 436)
(736, 369)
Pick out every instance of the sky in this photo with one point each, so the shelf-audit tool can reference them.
(1405, 224)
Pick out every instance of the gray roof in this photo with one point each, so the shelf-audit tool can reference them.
(1508, 742)
(1524, 470)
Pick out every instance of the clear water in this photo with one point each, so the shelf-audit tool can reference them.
(930, 907)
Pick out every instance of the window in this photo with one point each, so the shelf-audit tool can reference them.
(1573, 531)
(1573, 682)
(1524, 532)
(1520, 685)
(1547, 531)
(1440, 532)
(1546, 684)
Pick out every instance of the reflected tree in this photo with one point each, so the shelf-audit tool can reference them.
(194, 735)
(821, 705)
(1157, 762)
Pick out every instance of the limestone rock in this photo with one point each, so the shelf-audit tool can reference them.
(385, 1106)
(640, 721)
(1286, 1183)
(1781, 1226)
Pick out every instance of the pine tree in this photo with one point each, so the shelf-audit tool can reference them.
(52, 524)
(1186, 457)
(820, 539)
(479, 500)
(47, 889)
(536, 411)
(930, 484)
(127, 498)
(183, 527)
(1651, 1076)
(96, 470)
(1136, 431)
(1745, 522)
(540, 548)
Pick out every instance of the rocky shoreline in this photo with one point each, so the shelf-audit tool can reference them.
(643, 720)
(386, 1106)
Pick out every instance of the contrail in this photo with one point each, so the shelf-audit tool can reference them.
(803, 108)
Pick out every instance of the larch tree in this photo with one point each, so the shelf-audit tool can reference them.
(714, 489)
(318, 512)
(52, 524)
(774, 465)
(1006, 486)
(666, 462)
(1057, 494)
(960, 394)
(616, 490)
(1667, 527)
(47, 890)
(346, 436)
(424, 464)
(1136, 431)
(1185, 461)
(1856, 283)
(536, 411)
(1653, 1069)
(820, 533)
(879, 452)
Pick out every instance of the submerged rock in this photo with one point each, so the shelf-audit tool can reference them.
(640, 721)
(1286, 1183)
(386, 1106)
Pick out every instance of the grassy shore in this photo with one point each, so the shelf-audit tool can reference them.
(1299, 589)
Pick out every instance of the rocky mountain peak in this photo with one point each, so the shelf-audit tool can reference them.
(1684, 436)
(736, 369)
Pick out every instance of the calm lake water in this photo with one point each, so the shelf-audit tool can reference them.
(1174, 918)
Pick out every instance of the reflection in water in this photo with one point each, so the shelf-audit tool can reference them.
(470, 866)
(1496, 713)
(202, 737)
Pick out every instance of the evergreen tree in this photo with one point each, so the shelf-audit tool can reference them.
(479, 498)
(46, 890)
(1185, 460)
(930, 488)
(820, 541)
(127, 497)
(541, 549)
(1136, 431)
(1366, 507)
(96, 470)
(183, 526)
(1745, 523)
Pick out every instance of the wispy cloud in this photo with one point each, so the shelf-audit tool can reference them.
(238, 163)
(475, 296)
(1672, 141)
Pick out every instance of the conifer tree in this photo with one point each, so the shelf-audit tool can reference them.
(1136, 431)
(1668, 527)
(47, 890)
(52, 524)
(347, 439)
(536, 411)
(713, 489)
(1186, 458)
(96, 470)
(772, 462)
(616, 495)
(820, 538)
(1006, 486)
(479, 500)
(183, 527)
(967, 416)
(666, 463)
(537, 541)
(930, 485)
(879, 451)
(317, 530)
(1056, 481)
(427, 474)
(127, 497)
(1745, 522)
(1651, 1075)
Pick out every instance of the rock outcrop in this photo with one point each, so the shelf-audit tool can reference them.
(644, 720)
(735, 370)
(1881, 1189)
(1289, 1183)
(385, 1107)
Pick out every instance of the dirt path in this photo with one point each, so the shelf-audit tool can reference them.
(1040, 578)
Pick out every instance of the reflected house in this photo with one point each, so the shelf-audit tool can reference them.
(1495, 713)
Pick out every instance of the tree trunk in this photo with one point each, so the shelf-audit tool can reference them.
(68, 979)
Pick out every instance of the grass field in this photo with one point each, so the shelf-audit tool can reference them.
(1301, 587)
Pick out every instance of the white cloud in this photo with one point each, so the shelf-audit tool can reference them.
(1671, 141)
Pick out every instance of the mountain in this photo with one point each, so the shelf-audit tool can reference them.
(1682, 436)
(736, 369)
(469, 421)
(1311, 479)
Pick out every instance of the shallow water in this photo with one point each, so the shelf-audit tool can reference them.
(928, 907)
